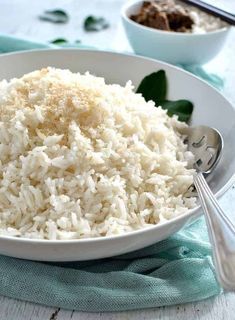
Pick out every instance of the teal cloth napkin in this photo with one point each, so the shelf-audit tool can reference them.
(176, 270)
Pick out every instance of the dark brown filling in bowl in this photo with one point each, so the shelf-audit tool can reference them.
(164, 15)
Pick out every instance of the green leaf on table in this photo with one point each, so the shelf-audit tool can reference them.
(154, 87)
(59, 41)
(65, 43)
(93, 23)
(55, 16)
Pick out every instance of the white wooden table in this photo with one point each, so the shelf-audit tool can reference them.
(19, 17)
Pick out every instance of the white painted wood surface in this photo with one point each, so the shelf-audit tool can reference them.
(19, 17)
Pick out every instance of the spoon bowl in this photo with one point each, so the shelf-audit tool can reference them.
(206, 144)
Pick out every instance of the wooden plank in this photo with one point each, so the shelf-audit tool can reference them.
(19, 310)
(219, 308)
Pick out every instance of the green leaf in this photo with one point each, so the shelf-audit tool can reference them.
(62, 42)
(182, 108)
(55, 16)
(93, 23)
(154, 86)
(59, 41)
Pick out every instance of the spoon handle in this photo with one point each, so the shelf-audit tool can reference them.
(221, 233)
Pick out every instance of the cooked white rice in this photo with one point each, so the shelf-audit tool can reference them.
(80, 158)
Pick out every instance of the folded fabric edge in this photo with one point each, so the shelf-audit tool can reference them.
(99, 298)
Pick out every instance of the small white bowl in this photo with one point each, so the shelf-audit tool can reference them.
(172, 47)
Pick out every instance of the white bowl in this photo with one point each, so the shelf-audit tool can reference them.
(172, 47)
(211, 109)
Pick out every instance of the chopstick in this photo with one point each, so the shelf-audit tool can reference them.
(219, 13)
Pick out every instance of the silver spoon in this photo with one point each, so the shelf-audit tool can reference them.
(206, 144)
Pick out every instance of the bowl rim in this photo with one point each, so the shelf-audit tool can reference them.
(191, 213)
(131, 3)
